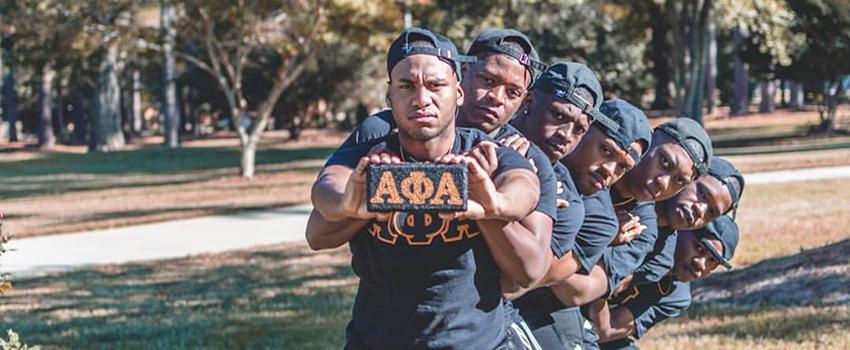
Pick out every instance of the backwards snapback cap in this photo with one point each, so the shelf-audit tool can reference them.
(443, 48)
(682, 129)
(563, 78)
(493, 40)
(722, 170)
(632, 126)
(724, 230)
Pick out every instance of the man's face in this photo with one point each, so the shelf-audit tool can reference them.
(698, 204)
(556, 126)
(693, 260)
(495, 87)
(423, 93)
(662, 172)
(597, 161)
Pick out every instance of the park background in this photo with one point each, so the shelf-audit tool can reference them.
(122, 114)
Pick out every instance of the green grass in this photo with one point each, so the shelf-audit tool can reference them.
(754, 327)
(283, 298)
(152, 159)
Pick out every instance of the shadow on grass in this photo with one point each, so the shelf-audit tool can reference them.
(153, 160)
(282, 297)
(818, 276)
(781, 323)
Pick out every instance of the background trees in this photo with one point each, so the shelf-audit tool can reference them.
(104, 72)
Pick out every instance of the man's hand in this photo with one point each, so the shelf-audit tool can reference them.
(561, 203)
(517, 142)
(630, 227)
(354, 197)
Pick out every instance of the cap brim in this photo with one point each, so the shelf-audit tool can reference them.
(719, 257)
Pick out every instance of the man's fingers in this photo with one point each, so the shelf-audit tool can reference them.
(562, 203)
(533, 166)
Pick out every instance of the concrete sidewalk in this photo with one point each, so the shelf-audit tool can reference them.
(172, 239)
(213, 234)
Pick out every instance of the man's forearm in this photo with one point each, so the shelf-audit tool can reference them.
(324, 234)
(327, 193)
(516, 195)
(580, 289)
(520, 248)
(614, 324)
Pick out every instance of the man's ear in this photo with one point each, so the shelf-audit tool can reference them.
(387, 99)
(460, 96)
(525, 107)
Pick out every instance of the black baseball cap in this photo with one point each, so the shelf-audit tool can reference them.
(682, 129)
(443, 48)
(492, 40)
(722, 169)
(563, 78)
(625, 124)
(724, 230)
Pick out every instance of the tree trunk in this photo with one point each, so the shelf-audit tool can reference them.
(80, 126)
(796, 101)
(741, 101)
(768, 95)
(108, 135)
(711, 70)
(659, 53)
(249, 152)
(169, 90)
(46, 137)
(136, 101)
(10, 104)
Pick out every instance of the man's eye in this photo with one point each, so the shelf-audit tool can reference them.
(514, 93)
(579, 130)
(664, 162)
(606, 151)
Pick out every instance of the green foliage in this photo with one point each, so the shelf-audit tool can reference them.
(771, 40)
(14, 343)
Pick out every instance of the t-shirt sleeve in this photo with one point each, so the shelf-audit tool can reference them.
(624, 259)
(597, 231)
(372, 128)
(548, 191)
(509, 160)
(648, 312)
(570, 218)
(350, 156)
(659, 261)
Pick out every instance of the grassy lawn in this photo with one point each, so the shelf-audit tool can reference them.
(782, 219)
(280, 297)
(69, 191)
(759, 328)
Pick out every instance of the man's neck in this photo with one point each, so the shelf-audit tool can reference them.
(428, 150)
(618, 192)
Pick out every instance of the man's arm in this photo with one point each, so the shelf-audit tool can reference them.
(578, 289)
(328, 190)
(324, 234)
(519, 248)
(611, 324)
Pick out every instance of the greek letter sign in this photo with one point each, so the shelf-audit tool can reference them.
(417, 187)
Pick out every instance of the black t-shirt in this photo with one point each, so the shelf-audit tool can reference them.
(571, 217)
(372, 128)
(547, 204)
(651, 303)
(425, 282)
(598, 229)
(660, 260)
(623, 259)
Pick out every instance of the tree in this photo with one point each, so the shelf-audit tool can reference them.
(168, 34)
(825, 58)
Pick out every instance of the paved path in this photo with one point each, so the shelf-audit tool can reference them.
(173, 239)
(798, 175)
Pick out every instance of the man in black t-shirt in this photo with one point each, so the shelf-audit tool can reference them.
(427, 280)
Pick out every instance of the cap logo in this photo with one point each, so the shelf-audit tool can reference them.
(560, 93)
(523, 59)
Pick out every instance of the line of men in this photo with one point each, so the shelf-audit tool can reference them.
(584, 225)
